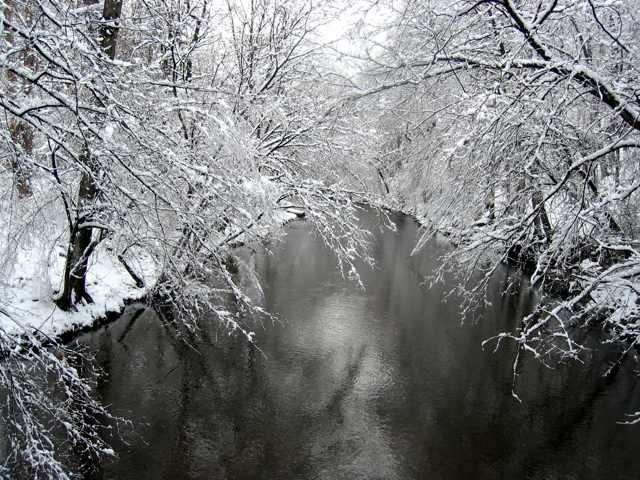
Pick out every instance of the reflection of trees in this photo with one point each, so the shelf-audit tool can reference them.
(391, 381)
(222, 401)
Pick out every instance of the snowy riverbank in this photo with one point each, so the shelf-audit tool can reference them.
(27, 293)
(27, 296)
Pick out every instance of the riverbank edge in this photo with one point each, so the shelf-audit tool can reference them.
(67, 336)
(144, 299)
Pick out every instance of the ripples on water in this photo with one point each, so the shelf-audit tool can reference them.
(383, 383)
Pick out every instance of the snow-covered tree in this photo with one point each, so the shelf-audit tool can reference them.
(162, 135)
(521, 121)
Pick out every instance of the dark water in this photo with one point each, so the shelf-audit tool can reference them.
(376, 384)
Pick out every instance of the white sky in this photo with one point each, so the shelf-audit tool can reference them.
(348, 26)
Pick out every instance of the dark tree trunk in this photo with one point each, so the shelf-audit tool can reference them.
(383, 181)
(542, 224)
(22, 136)
(81, 240)
(109, 29)
(21, 132)
(490, 205)
(81, 243)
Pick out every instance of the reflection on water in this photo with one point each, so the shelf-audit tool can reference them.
(383, 383)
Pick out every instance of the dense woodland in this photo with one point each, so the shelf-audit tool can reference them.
(166, 133)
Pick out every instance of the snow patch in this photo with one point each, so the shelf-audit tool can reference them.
(26, 304)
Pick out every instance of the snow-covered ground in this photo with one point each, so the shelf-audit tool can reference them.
(29, 283)
(27, 296)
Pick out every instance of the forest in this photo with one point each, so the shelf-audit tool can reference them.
(145, 143)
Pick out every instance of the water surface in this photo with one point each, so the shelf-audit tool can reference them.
(382, 383)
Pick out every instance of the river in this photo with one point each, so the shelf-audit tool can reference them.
(381, 383)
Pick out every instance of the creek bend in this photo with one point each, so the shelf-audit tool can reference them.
(381, 383)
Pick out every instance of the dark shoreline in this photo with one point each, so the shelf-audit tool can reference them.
(68, 336)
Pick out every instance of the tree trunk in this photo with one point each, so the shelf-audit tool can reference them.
(21, 132)
(81, 240)
(385, 185)
(109, 29)
(22, 137)
(81, 243)
(490, 204)
(541, 220)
